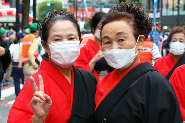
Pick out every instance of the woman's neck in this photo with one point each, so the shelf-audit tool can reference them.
(136, 60)
(97, 41)
(176, 57)
(65, 71)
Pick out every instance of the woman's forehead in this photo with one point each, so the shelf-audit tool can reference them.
(63, 27)
(116, 27)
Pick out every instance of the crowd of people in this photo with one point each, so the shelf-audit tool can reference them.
(121, 75)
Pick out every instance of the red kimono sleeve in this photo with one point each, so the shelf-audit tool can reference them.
(83, 61)
(177, 81)
(21, 111)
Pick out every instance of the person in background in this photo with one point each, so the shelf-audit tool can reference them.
(3, 34)
(17, 73)
(28, 53)
(177, 81)
(134, 92)
(166, 47)
(65, 93)
(167, 64)
(27, 32)
(5, 60)
(149, 51)
(8, 42)
(91, 56)
(9, 71)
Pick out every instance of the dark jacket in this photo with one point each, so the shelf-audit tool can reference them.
(4, 59)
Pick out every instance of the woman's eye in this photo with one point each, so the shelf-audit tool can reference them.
(121, 39)
(181, 40)
(107, 42)
(71, 38)
(58, 39)
(173, 40)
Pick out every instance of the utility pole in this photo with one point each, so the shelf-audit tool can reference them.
(34, 11)
(178, 13)
(17, 17)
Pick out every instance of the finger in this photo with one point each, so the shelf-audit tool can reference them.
(33, 84)
(41, 84)
(40, 95)
(48, 99)
(100, 49)
(35, 100)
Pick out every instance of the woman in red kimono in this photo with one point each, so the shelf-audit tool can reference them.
(177, 81)
(91, 55)
(167, 64)
(58, 93)
(134, 92)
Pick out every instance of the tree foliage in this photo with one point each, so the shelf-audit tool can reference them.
(43, 9)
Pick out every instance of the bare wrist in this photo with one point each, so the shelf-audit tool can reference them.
(36, 119)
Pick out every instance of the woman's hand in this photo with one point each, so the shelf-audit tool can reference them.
(2, 51)
(40, 102)
(96, 58)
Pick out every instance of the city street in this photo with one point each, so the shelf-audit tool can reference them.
(8, 92)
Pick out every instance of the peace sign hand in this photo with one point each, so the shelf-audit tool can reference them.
(40, 102)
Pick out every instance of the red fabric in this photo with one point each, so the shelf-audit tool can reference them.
(87, 53)
(165, 64)
(108, 83)
(177, 81)
(56, 86)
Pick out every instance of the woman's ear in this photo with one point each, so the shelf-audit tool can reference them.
(44, 45)
(140, 42)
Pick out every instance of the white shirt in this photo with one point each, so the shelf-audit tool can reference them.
(14, 51)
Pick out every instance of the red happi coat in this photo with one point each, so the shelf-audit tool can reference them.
(165, 64)
(177, 81)
(66, 98)
(87, 53)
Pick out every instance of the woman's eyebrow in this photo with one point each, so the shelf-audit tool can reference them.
(56, 36)
(105, 37)
(119, 33)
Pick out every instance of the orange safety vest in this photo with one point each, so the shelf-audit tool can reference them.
(26, 43)
(146, 52)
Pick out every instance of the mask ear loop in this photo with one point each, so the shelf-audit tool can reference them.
(136, 44)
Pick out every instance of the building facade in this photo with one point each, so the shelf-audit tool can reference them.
(169, 14)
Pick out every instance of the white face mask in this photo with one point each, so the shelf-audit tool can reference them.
(97, 34)
(177, 48)
(64, 53)
(120, 58)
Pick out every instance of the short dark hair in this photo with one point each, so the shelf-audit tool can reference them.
(15, 41)
(95, 20)
(175, 30)
(45, 23)
(133, 15)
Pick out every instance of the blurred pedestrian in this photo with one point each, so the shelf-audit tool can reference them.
(28, 53)
(150, 51)
(17, 73)
(5, 60)
(91, 56)
(9, 70)
(167, 64)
